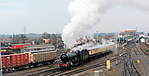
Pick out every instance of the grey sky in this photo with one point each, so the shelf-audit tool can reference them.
(51, 15)
(120, 18)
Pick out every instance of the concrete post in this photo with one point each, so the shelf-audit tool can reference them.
(1, 71)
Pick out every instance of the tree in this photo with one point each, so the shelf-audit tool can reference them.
(45, 35)
(20, 38)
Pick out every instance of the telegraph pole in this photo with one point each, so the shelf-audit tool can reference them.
(24, 39)
(24, 30)
(1, 71)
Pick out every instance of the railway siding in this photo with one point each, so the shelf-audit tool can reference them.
(138, 54)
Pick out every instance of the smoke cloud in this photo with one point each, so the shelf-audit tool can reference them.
(85, 15)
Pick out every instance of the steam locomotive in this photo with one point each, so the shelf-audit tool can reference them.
(82, 55)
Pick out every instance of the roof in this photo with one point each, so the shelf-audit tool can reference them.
(19, 46)
(130, 30)
(39, 46)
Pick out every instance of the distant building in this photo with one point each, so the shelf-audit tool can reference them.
(46, 41)
(130, 31)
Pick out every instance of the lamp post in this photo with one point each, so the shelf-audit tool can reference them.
(0, 62)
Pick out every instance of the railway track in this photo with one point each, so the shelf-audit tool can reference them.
(39, 73)
(129, 67)
(134, 54)
(138, 51)
(145, 47)
(27, 71)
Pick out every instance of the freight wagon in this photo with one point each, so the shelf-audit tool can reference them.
(36, 58)
(14, 61)
(80, 56)
(27, 59)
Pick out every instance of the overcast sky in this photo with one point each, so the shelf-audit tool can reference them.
(51, 15)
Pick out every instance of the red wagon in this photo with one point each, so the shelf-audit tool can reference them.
(14, 61)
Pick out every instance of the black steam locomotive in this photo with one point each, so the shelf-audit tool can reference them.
(77, 57)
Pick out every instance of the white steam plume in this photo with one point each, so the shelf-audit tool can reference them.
(85, 14)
